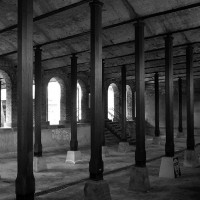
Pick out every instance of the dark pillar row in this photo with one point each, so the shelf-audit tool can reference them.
(169, 146)
(123, 84)
(25, 182)
(38, 102)
(180, 126)
(190, 98)
(96, 163)
(140, 153)
(73, 142)
(157, 129)
(103, 103)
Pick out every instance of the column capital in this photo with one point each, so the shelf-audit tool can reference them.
(96, 2)
(74, 55)
(169, 37)
(189, 47)
(139, 22)
(37, 48)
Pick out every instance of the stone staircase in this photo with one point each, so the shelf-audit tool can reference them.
(113, 133)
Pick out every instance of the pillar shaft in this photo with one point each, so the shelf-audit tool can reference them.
(169, 146)
(0, 102)
(180, 127)
(38, 102)
(96, 163)
(103, 104)
(74, 142)
(123, 120)
(25, 183)
(140, 154)
(157, 129)
(190, 98)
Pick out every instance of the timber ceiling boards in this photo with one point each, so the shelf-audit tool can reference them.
(62, 27)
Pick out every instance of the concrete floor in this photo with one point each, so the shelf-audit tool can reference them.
(66, 181)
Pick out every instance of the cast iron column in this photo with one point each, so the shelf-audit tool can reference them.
(0, 102)
(103, 104)
(180, 127)
(169, 146)
(96, 163)
(140, 153)
(190, 98)
(157, 129)
(25, 182)
(123, 79)
(73, 142)
(38, 102)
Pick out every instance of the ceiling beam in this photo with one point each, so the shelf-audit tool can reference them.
(49, 14)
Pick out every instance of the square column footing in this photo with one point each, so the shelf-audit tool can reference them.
(156, 140)
(191, 159)
(73, 157)
(180, 135)
(105, 152)
(123, 147)
(167, 167)
(139, 179)
(97, 190)
(39, 164)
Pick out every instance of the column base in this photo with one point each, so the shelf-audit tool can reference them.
(45, 124)
(156, 140)
(73, 157)
(123, 147)
(180, 135)
(167, 167)
(25, 197)
(97, 190)
(191, 159)
(39, 164)
(139, 179)
(105, 152)
(62, 122)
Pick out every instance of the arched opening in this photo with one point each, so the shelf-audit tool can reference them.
(113, 102)
(79, 104)
(54, 96)
(6, 100)
(128, 103)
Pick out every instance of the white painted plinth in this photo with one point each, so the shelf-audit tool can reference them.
(139, 179)
(167, 168)
(97, 190)
(73, 157)
(191, 159)
(39, 164)
(123, 147)
(105, 152)
(156, 141)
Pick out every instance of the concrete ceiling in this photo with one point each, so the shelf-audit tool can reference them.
(62, 27)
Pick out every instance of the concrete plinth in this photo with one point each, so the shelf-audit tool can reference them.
(139, 179)
(123, 147)
(191, 159)
(105, 152)
(167, 168)
(180, 135)
(156, 141)
(73, 157)
(97, 190)
(39, 164)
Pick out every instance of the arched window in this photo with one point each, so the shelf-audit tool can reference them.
(54, 95)
(113, 102)
(6, 100)
(128, 103)
(79, 98)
